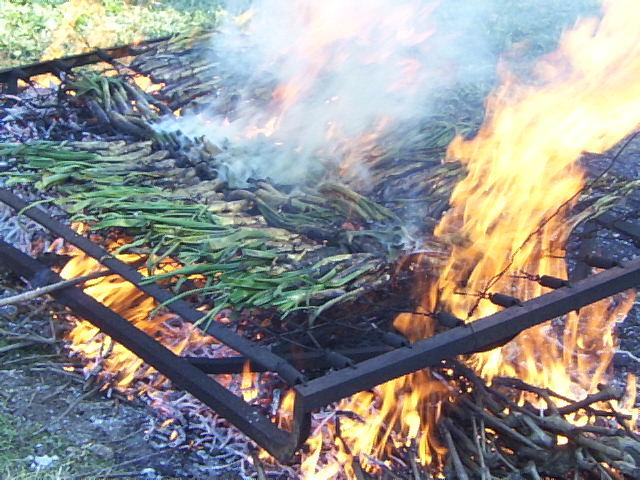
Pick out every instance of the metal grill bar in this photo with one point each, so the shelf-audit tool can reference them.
(303, 360)
(10, 76)
(257, 353)
(477, 336)
(279, 443)
(190, 375)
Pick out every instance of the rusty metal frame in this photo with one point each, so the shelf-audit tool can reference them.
(191, 374)
(10, 76)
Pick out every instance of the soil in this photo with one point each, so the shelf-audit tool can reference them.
(61, 422)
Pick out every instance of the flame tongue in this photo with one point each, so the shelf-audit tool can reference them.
(112, 360)
(522, 167)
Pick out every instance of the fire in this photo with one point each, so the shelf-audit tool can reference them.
(328, 74)
(508, 216)
(110, 360)
(146, 84)
(45, 80)
(248, 383)
(523, 166)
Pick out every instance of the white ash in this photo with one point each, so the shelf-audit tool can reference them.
(16, 230)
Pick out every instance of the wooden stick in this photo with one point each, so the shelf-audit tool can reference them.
(15, 346)
(257, 464)
(461, 473)
(40, 291)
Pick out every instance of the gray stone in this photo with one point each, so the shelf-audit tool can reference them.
(102, 451)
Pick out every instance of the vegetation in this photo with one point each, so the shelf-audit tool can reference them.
(18, 441)
(53, 28)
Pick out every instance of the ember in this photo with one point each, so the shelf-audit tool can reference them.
(368, 288)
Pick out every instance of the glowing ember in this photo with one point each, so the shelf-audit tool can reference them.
(146, 84)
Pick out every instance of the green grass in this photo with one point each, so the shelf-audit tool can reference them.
(17, 442)
(55, 28)
(20, 438)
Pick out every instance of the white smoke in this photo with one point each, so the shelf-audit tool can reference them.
(317, 81)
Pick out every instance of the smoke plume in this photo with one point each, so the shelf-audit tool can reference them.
(316, 84)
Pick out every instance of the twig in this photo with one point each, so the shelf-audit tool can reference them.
(542, 224)
(16, 346)
(461, 473)
(101, 473)
(40, 291)
(604, 395)
(26, 359)
(257, 464)
(532, 471)
(415, 470)
(484, 474)
(56, 392)
(27, 337)
(500, 425)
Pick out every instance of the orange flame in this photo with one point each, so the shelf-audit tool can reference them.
(111, 360)
(247, 383)
(336, 39)
(146, 84)
(522, 166)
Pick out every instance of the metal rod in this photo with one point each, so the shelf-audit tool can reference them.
(490, 331)
(302, 360)
(11, 75)
(277, 442)
(257, 353)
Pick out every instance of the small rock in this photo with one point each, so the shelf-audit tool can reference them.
(43, 462)
(149, 474)
(102, 451)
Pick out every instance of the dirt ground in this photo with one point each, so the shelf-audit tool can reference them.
(56, 425)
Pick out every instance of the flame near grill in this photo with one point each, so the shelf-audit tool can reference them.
(114, 363)
(504, 221)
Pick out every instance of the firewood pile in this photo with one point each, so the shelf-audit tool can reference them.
(313, 263)
(511, 429)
